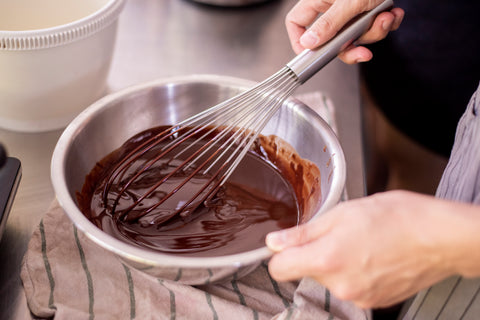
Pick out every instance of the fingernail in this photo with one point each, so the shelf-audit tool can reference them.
(309, 39)
(364, 57)
(274, 241)
(360, 60)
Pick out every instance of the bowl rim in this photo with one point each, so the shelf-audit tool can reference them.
(145, 256)
(43, 38)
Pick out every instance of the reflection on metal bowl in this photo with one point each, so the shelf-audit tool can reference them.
(109, 122)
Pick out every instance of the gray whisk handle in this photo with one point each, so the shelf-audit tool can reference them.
(309, 62)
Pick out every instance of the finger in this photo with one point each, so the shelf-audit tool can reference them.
(294, 33)
(379, 30)
(299, 235)
(285, 266)
(382, 25)
(353, 54)
(299, 17)
(329, 23)
(305, 12)
(399, 14)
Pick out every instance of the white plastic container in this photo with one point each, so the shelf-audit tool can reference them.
(55, 56)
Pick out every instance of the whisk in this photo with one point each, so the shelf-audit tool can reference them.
(212, 143)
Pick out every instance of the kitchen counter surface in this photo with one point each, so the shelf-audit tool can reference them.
(169, 38)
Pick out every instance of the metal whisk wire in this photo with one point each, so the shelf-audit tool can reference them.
(236, 129)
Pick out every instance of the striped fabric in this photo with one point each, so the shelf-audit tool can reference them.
(66, 276)
(457, 298)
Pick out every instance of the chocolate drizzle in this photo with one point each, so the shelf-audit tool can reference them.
(258, 198)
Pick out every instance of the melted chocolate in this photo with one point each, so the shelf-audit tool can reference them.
(258, 198)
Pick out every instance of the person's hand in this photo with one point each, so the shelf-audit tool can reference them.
(380, 250)
(334, 14)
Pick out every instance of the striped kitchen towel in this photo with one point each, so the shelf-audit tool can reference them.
(67, 276)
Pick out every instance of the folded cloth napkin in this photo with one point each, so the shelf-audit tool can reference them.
(67, 276)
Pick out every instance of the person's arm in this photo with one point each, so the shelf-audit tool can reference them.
(379, 250)
(323, 19)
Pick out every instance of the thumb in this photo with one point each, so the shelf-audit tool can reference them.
(298, 235)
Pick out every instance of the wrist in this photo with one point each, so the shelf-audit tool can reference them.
(453, 237)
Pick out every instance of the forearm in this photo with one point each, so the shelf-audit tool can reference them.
(452, 230)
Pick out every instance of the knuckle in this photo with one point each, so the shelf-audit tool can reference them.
(326, 262)
(345, 291)
(326, 23)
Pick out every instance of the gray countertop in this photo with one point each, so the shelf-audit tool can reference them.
(162, 38)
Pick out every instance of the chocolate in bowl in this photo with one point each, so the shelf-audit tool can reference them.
(264, 194)
(108, 123)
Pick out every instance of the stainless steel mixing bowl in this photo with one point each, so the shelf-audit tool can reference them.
(109, 122)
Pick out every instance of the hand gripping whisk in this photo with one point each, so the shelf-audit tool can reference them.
(213, 142)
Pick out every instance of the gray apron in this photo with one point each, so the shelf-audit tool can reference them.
(457, 297)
